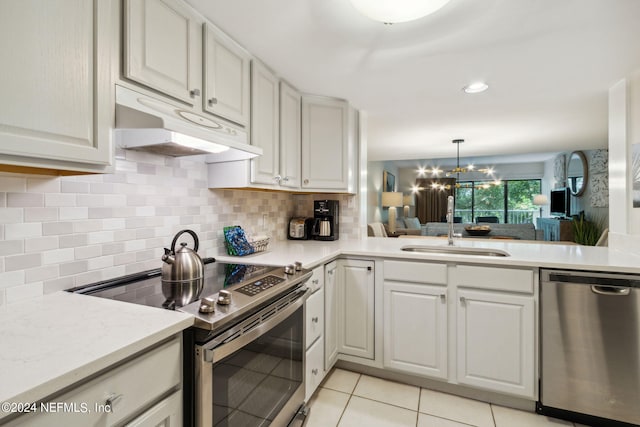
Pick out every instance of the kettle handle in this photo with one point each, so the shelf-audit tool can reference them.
(196, 242)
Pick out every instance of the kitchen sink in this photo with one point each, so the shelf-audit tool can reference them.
(455, 250)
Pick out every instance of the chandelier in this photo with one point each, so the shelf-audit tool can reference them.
(435, 172)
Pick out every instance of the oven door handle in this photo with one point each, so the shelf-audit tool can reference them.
(213, 351)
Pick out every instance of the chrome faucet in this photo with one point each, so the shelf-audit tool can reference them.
(450, 234)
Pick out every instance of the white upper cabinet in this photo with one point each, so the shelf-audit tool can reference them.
(163, 48)
(325, 139)
(57, 85)
(226, 77)
(290, 136)
(265, 133)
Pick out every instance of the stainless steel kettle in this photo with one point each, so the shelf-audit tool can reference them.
(182, 272)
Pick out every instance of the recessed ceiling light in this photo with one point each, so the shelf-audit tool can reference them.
(391, 12)
(476, 87)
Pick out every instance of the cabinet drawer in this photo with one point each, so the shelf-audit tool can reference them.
(314, 372)
(131, 386)
(500, 279)
(422, 272)
(317, 279)
(314, 314)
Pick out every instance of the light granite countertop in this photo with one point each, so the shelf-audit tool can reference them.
(51, 342)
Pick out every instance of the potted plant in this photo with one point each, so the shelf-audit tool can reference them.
(586, 232)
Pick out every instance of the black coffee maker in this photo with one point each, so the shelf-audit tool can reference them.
(326, 216)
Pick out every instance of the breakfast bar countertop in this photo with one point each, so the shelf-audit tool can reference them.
(521, 253)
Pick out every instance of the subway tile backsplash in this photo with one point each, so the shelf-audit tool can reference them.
(61, 232)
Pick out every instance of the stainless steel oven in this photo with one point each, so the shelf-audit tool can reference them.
(244, 357)
(252, 373)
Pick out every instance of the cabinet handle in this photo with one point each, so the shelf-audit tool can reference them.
(212, 101)
(314, 371)
(194, 92)
(463, 300)
(315, 281)
(369, 268)
(277, 178)
(443, 297)
(285, 179)
(330, 272)
(314, 319)
(112, 399)
(306, 181)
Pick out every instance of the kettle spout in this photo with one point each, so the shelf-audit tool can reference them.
(168, 256)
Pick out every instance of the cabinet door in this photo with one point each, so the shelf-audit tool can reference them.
(415, 328)
(226, 77)
(290, 136)
(355, 289)
(325, 135)
(57, 84)
(330, 316)
(496, 342)
(313, 373)
(167, 413)
(314, 317)
(163, 47)
(264, 124)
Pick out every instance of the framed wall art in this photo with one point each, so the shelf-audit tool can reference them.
(388, 181)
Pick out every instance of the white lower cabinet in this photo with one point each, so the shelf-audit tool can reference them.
(314, 333)
(314, 370)
(120, 394)
(484, 337)
(166, 413)
(415, 328)
(495, 344)
(355, 289)
(330, 315)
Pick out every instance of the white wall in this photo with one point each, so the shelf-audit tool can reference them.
(61, 232)
(624, 131)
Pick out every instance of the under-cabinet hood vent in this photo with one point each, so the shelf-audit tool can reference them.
(146, 123)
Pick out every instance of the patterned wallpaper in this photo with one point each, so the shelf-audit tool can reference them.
(61, 232)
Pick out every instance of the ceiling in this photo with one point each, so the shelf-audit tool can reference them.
(548, 64)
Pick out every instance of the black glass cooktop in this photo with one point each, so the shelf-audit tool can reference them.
(146, 288)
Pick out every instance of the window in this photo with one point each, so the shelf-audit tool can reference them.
(511, 201)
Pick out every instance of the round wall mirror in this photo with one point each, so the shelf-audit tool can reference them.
(577, 173)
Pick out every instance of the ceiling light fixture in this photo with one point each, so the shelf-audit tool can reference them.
(395, 11)
(476, 87)
(488, 171)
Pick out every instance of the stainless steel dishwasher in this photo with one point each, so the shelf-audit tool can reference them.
(590, 339)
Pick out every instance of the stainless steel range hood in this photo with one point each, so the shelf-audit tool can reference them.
(149, 124)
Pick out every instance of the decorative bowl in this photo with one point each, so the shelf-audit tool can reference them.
(478, 230)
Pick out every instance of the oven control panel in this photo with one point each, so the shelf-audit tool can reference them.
(257, 286)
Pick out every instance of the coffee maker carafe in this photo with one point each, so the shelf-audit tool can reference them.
(326, 216)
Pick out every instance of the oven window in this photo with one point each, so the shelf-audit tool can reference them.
(251, 386)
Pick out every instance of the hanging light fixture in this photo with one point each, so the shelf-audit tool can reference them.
(395, 11)
(435, 172)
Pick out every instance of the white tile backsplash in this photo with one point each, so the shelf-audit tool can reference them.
(61, 232)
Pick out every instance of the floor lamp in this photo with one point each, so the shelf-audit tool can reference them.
(391, 199)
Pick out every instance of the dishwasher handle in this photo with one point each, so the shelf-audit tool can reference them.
(610, 290)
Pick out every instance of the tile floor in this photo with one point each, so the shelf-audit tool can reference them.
(347, 399)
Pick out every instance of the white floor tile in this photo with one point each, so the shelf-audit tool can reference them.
(425, 420)
(393, 393)
(456, 408)
(507, 417)
(327, 407)
(341, 380)
(364, 412)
